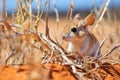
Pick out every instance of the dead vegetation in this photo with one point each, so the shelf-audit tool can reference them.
(22, 43)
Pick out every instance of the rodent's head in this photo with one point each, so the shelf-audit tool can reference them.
(79, 29)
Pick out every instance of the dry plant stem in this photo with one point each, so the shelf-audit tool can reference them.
(45, 60)
(10, 36)
(30, 13)
(8, 57)
(54, 47)
(71, 10)
(47, 16)
(38, 14)
(96, 77)
(21, 12)
(18, 12)
(62, 53)
(69, 15)
(3, 10)
(38, 7)
(96, 67)
(110, 51)
(43, 8)
(102, 14)
(57, 22)
(76, 65)
(101, 44)
(51, 56)
(81, 75)
(14, 25)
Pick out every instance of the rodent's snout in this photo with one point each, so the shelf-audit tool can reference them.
(66, 38)
(63, 37)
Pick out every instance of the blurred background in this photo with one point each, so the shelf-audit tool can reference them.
(80, 6)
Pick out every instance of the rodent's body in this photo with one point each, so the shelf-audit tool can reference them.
(86, 47)
(82, 41)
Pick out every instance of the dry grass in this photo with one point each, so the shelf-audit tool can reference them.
(35, 42)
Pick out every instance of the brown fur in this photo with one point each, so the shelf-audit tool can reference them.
(81, 40)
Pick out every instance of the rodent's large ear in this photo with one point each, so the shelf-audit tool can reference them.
(76, 18)
(89, 20)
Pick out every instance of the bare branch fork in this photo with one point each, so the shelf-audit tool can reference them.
(100, 46)
(102, 43)
(110, 51)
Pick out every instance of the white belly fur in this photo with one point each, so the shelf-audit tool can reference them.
(70, 47)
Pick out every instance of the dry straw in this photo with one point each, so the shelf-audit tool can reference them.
(27, 38)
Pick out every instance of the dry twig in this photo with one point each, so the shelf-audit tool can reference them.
(8, 57)
(102, 14)
(110, 51)
(47, 16)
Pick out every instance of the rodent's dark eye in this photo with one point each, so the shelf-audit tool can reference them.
(74, 29)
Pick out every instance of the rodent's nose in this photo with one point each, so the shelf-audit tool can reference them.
(63, 37)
